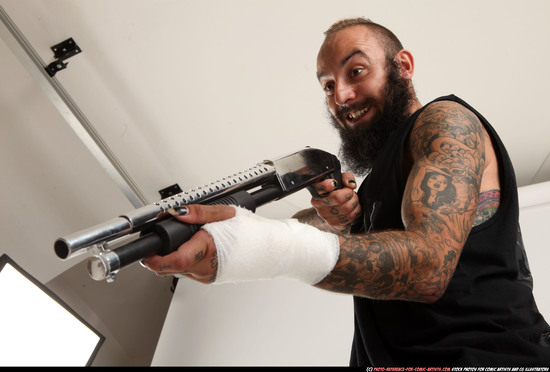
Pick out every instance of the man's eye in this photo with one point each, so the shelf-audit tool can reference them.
(328, 88)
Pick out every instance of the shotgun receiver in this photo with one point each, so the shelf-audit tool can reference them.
(160, 234)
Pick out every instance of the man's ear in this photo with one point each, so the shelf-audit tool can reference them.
(406, 61)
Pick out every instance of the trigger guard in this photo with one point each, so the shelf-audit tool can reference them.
(314, 194)
(317, 196)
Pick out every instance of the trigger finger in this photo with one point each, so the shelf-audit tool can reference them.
(326, 186)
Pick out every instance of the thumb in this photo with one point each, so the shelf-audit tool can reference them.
(348, 179)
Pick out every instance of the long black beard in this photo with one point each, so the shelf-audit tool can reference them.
(361, 144)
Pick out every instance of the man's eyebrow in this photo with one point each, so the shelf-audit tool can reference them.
(344, 61)
(351, 55)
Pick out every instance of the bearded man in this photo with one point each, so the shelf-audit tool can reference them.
(438, 277)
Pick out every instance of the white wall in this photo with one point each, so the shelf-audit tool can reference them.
(275, 323)
(535, 224)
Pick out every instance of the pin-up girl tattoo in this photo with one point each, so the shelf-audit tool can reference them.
(437, 190)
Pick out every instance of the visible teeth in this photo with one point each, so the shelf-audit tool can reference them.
(356, 114)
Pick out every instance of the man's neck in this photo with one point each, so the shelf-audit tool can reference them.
(414, 105)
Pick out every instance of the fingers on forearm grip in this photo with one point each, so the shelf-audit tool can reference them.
(250, 247)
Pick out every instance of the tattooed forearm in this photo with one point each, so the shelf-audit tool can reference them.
(391, 265)
(310, 217)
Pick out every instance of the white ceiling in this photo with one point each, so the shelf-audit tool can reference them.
(189, 91)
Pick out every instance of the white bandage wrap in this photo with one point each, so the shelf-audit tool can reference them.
(251, 247)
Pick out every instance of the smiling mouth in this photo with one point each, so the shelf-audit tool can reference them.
(352, 116)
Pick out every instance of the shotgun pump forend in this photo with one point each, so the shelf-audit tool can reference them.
(161, 234)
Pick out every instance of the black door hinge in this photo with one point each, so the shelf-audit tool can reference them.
(170, 191)
(62, 51)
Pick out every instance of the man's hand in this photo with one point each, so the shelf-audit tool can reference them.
(197, 258)
(340, 207)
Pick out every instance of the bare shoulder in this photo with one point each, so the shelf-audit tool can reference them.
(449, 110)
(448, 142)
(442, 122)
(456, 128)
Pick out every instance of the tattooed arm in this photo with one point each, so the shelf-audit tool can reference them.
(446, 153)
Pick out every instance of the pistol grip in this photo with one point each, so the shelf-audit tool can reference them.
(335, 176)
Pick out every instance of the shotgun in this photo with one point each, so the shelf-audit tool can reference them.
(151, 230)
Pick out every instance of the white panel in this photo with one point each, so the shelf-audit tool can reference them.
(535, 224)
(278, 322)
(48, 325)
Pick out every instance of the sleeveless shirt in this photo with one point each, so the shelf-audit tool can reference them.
(487, 315)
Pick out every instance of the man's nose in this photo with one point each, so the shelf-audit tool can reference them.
(344, 94)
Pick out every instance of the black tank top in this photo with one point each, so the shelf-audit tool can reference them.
(486, 317)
